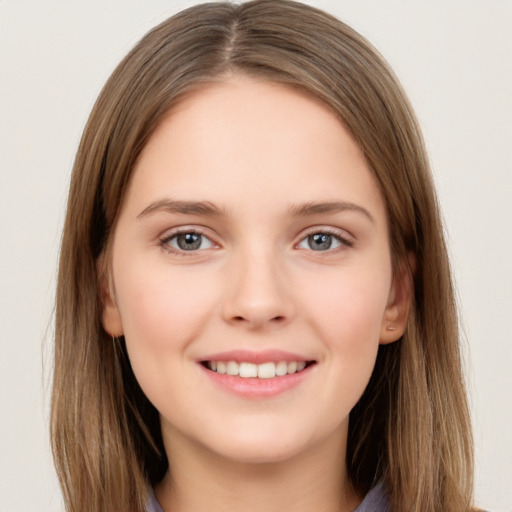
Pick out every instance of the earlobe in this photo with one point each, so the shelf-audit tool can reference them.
(111, 317)
(395, 316)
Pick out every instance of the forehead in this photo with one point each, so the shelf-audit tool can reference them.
(241, 139)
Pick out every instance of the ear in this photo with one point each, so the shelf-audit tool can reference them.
(395, 316)
(110, 318)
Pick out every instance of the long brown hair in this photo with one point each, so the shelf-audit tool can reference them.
(411, 427)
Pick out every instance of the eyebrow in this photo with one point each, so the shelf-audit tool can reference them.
(330, 207)
(211, 210)
(183, 207)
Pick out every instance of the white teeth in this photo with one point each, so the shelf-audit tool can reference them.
(281, 368)
(266, 370)
(262, 371)
(248, 370)
(232, 368)
(292, 367)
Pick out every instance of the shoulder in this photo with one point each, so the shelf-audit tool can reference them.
(375, 501)
(152, 504)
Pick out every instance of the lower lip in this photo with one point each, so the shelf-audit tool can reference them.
(258, 388)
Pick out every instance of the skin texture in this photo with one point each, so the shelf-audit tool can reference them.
(255, 150)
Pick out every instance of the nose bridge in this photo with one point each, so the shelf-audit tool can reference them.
(258, 294)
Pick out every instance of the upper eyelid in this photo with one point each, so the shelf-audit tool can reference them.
(171, 232)
(339, 232)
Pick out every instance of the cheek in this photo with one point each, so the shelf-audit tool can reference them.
(161, 310)
(347, 314)
(162, 313)
(351, 303)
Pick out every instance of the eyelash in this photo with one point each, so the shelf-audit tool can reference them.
(164, 242)
(345, 242)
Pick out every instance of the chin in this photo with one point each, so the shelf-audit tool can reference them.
(259, 455)
(255, 448)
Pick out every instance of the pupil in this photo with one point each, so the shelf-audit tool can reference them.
(189, 241)
(320, 241)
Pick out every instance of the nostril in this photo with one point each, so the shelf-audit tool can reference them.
(257, 322)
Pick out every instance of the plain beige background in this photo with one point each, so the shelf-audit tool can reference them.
(454, 58)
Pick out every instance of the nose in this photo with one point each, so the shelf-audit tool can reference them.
(258, 296)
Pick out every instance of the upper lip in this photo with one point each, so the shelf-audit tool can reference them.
(255, 357)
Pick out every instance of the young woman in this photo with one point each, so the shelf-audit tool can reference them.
(254, 307)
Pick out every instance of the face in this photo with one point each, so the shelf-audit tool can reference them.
(251, 273)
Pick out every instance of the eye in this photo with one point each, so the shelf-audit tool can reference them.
(187, 241)
(323, 241)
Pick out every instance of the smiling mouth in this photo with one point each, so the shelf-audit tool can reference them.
(247, 370)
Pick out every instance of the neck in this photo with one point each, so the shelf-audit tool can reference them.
(201, 480)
